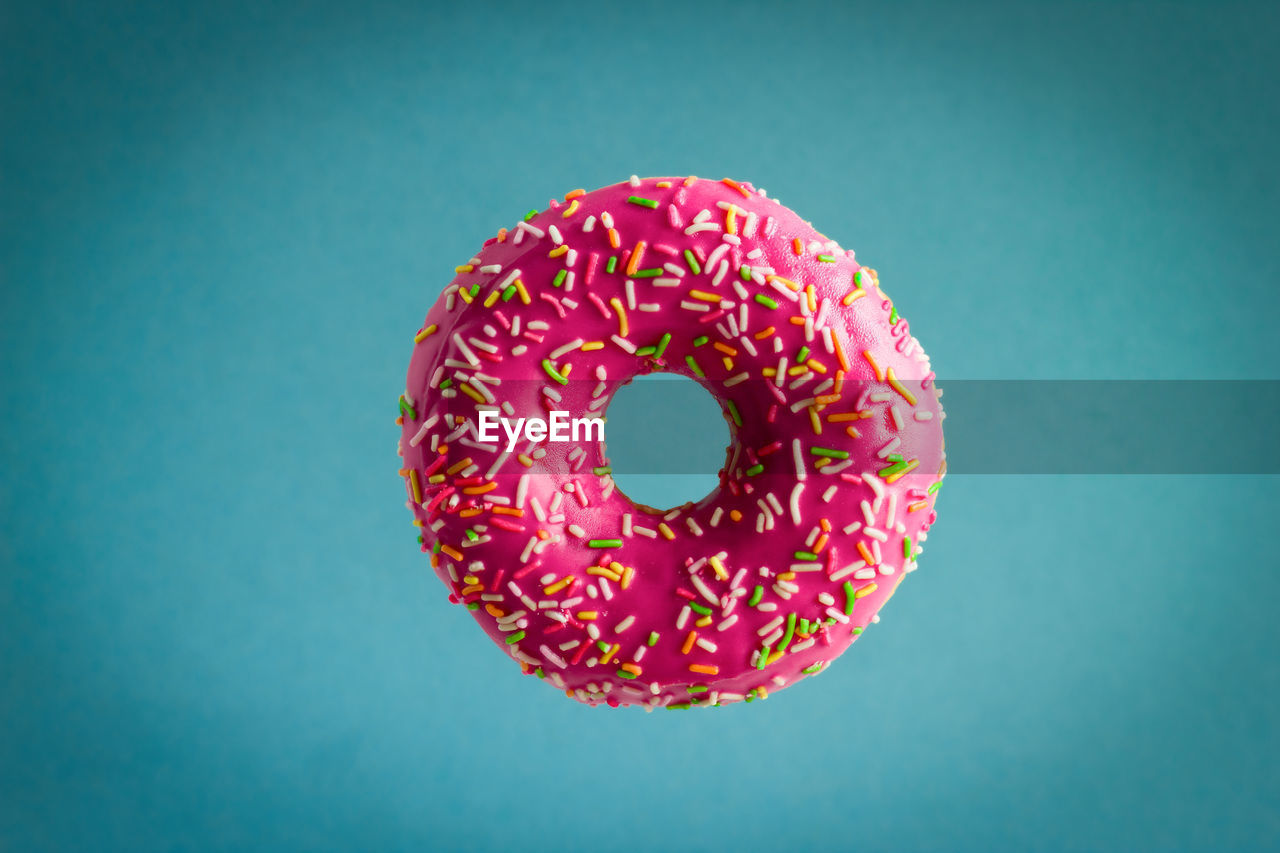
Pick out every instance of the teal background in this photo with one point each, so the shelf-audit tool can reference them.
(222, 223)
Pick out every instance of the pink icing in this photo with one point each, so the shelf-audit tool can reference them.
(584, 617)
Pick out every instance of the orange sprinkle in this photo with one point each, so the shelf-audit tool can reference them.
(633, 668)
(824, 525)
(636, 254)
(476, 587)
(729, 182)
(663, 184)
(760, 336)
(508, 510)
(704, 668)
(725, 348)
(797, 246)
(866, 554)
(494, 610)
(840, 357)
(735, 515)
(470, 511)
(841, 417)
(797, 320)
(852, 296)
(451, 551)
(820, 544)
(614, 240)
(788, 282)
(897, 386)
(479, 490)
(502, 235)
(458, 466)
(572, 194)
(689, 640)
(688, 182)
(866, 353)
(917, 506)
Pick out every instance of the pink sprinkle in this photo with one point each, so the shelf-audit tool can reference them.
(712, 317)
(434, 466)
(524, 570)
(537, 339)
(591, 269)
(499, 521)
(502, 318)
(673, 217)
(599, 303)
(497, 579)
(680, 195)
(665, 249)
(555, 303)
(684, 593)
(770, 417)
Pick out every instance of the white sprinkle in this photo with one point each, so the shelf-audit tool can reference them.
(569, 347)
(798, 456)
(624, 624)
(683, 617)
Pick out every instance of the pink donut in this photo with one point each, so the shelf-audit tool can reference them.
(826, 494)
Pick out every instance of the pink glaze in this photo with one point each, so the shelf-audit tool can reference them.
(553, 602)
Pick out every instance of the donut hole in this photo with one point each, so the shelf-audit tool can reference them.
(666, 440)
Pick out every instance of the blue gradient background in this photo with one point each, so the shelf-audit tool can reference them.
(223, 222)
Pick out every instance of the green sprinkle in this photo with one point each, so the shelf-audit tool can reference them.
(850, 596)
(552, 372)
(601, 470)
(894, 457)
(643, 202)
(755, 469)
(829, 453)
(808, 556)
(679, 706)
(733, 410)
(662, 344)
(766, 301)
(764, 657)
(602, 645)
(756, 595)
(530, 215)
(906, 547)
(653, 639)
(750, 697)
(508, 293)
(473, 605)
(810, 670)
(472, 536)
(700, 340)
(693, 365)
(421, 540)
(892, 469)
(856, 631)
(538, 672)
(698, 688)
(612, 264)
(515, 638)
(605, 543)
(745, 272)
(559, 279)
(446, 384)
(791, 630)
(827, 259)
(643, 351)
(692, 261)
(652, 272)
(435, 548)
(804, 626)
(893, 315)
(933, 490)
(622, 673)
(831, 620)
(698, 608)
(475, 288)
(406, 409)
(803, 354)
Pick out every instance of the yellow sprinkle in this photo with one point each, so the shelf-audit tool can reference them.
(814, 421)
(417, 487)
(609, 654)
(622, 316)
(817, 365)
(464, 268)
(813, 298)
(865, 591)
(558, 585)
(627, 574)
(471, 392)
(524, 460)
(588, 615)
(721, 572)
(592, 345)
(470, 579)
(524, 294)
(424, 334)
(665, 531)
(491, 298)
(730, 220)
(704, 296)
(897, 386)
(703, 622)
(601, 571)
(436, 479)
(465, 293)
(788, 282)
(852, 296)
(573, 208)
(894, 477)
(558, 251)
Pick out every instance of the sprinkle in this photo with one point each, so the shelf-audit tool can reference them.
(827, 259)
(830, 454)
(653, 638)
(705, 668)
(867, 355)
(692, 261)
(643, 202)
(515, 638)
(897, 386)
(766, 301)
(553, 373)
(636, 254)
(693, 365)
(605, 543)
(424, 334)
(756, 595)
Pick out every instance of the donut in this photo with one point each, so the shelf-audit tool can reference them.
(828, 486)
